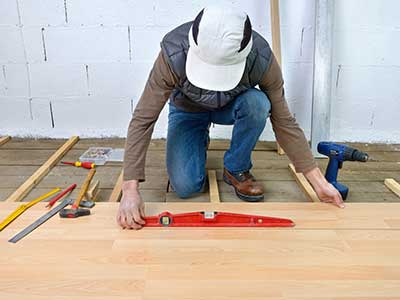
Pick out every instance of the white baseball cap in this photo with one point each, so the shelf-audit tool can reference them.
(219, 42)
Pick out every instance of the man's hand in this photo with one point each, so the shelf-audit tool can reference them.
(131, 208)
(326, 192)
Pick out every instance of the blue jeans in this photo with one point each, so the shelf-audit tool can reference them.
(187, 139)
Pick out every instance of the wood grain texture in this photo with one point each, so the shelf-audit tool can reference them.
(117, 190)
(4, 140)
(393, 185)
(332, 253)
(304, 184)
(276, 42)
(40, 173)
(93, 191)
(213, 186)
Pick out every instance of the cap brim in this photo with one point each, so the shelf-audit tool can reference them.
(213, 77)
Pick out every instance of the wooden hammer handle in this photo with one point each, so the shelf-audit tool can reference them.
(84, 187)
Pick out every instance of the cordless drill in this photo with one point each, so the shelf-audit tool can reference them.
(337, 154)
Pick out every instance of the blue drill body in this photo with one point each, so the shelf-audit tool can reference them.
(337, 154)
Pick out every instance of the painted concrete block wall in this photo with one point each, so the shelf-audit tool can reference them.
(366, 71)
(78, 67)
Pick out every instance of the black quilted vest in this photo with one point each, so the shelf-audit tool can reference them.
(175, 46)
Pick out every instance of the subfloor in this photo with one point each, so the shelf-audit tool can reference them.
(19, 158)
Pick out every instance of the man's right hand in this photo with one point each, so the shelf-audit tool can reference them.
(131, 208)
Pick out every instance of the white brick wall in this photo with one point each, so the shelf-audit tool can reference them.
(42, 13)
(15, 80)
(121, 12)
(86, 44)
(11, 45)
(58, 80)
(95, 55)
(8, 12)
(366, 71)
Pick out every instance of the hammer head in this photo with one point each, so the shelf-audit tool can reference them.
(87, 204)
(74, 213)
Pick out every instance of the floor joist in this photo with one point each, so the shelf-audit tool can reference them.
(117, 191)
(304, 184)
(212, 180)
(393, 185)
(4, 140)
(40, 173)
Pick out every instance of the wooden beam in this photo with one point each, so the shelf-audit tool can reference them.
(117, 191)
(4, 140)
(393, 185)
(93, 191)
(40, 173)
(276, 30)
(213, 184)
(304, 184)
(276, 42)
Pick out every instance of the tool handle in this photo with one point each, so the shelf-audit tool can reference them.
(87, 165)
(84, 164)
(59, 196)
(84, 188)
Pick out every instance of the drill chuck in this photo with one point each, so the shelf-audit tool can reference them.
(352, 154)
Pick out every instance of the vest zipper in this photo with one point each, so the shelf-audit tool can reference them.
(219, 99)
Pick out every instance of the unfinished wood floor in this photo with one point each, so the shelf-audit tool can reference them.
(19, 158)
(331, 254)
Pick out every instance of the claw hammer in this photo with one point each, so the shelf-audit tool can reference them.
(75, 211)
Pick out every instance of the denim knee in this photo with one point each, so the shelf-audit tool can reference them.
(254, 104)
(185, 186)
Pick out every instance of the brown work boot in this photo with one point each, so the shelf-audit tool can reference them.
(245, 185)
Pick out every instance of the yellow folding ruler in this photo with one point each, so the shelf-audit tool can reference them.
(24, 207)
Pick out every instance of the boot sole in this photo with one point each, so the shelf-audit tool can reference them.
(241, 196)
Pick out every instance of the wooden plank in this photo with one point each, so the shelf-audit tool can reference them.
(36, 177)
(93, 190)
(360, 216)
(304, 184)
(117, 191)
(359, 246)
(276, 42)
(4, 140)
(393, 185)
(213, 184)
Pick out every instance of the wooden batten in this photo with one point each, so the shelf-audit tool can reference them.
(117, 191)
(4, 140)
(393, 185)
(276, 43)
(213, 184)
(304, 184)
(40, 173)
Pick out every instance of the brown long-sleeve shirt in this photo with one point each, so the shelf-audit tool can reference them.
(159, 87)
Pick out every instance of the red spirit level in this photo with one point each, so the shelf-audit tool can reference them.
(214, 219)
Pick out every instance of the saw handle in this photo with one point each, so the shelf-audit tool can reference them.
(84, 188)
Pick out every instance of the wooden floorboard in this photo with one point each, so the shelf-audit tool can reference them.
(332, 253)
(19, 158)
